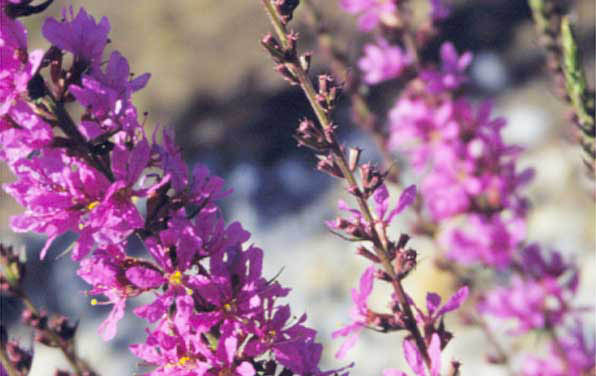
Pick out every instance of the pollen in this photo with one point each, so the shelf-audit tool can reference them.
(176, 278)
(93, 301)
(182, 361)
(92, 205)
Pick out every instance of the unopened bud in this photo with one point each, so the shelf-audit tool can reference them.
(308, 134)
(354, 158)
(287, 74)
(327, 164)
(286, 8)
(272, 45)
(305, 61)
(364, 252)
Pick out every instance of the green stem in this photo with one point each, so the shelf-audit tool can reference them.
(581, 99)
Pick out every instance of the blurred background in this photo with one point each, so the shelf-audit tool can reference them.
(213, 82)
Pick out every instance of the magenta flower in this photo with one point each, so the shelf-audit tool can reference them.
(17, 66)
(360, 313)
(106, 270)
(31, 134)
(538, 299)
(370, 12)
(59, 193)
(484, 240)
(439, 9)
(414, 359)
(452, 73)
(108, 93)
(382, 62)
(381, 198)
(422, 130)
(79, 35)
(574, 355)
(434, 309)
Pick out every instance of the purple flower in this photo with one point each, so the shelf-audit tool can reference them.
(452, 73)
(381, 198)
(538, 299)
(105, 271)
(574, 355)
(484, 240)
(422, 130)
(58, 192)
(108, 93)
(79, 35)
(22, 133)
(359, 313)
(16, 65)
(440, 9)
(414, 358)
(370, 12)
(434, 309)
(382, 62)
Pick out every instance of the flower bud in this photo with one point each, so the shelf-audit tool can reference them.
(287, 74)
(309, 135)
(286, 8)
(364, 252)
(371, 177)
(272, 45)
(354, 158)
(305, 61)
(328, 165)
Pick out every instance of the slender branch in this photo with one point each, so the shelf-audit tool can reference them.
(363, 116)
(380, 247)
(67, 347)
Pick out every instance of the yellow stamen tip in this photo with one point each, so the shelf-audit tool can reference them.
(92, 205)
(176, 278)
(94, 301)
(182, 361)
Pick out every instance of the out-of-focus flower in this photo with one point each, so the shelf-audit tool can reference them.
(370, 12)
(382, 62)
(540, 298)
(452, 72)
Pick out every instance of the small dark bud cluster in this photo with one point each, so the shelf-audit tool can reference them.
(327, 95)
(286, 8)
(372, 178)
(19, 358)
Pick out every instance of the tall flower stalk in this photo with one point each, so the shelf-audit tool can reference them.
(422, 348)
